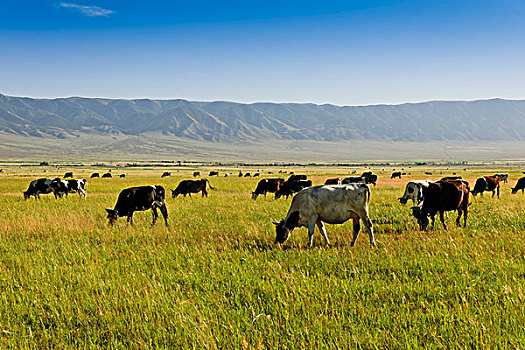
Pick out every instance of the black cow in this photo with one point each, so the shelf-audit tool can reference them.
(487, 183)
(106, 175)
(267, 185)
(290, 187)
(196, 173)
(140, 198)
(95, 175)
(396, 174)
(442, 196)
(369, 178)
(520, 185)
(191, 186)
(122, 175)
(294, 177)
(248, 175)
(166, 173)
(353, 179)
(240, 174)
(256, 174)
(69, 174)
(214, 173)
(41, 186)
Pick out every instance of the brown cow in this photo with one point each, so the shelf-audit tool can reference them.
(487, 183)
(191, 186)
(333, 181)
(267, 185)
(442, 196)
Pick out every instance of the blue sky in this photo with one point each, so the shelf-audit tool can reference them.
(340, 52)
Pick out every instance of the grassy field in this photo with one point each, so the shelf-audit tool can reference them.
(214, 279)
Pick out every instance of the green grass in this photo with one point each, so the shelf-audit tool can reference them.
(215, 279)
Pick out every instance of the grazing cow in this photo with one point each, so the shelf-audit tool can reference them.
(106, 175)
(442, 196)
(140, 198)
(122, 175)
(95, 175)
(503, 177)
(240, 174)
(196, 173)
(288, 188)
(70, 186)
(191, 186)
(331, 204)
(334, 181)
(353, 179)
(214, 173)
(41, 186)
(267, 185)
(428, 173)
(248, 175)
(165, 174)
(396, 174)
(256, 174)
(69, 174)
(366, 173)
(520, 185)
(486, 183)
(294, 177)
(370, 178)
(414, 191)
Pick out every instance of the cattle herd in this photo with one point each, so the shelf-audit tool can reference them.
(334, 202)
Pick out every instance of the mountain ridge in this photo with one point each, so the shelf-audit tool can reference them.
(222, 121)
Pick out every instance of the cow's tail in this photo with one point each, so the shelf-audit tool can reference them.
(209, 184)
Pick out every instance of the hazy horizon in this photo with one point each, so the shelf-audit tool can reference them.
(346, 53)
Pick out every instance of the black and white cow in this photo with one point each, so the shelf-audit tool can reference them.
(70, 186)
(140, 198)
(41, 186)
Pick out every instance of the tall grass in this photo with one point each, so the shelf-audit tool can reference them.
(214, 278)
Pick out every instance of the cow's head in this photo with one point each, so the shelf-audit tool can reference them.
(112, 216)
(284, 228)
(254, 195)
(422, 218)
(26, 194)
(174, 193)
(514, 190)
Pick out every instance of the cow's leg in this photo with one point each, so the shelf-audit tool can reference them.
(322, 229)
(81, 193)
(498, 191)
(442, 218)
(164, 212)
(189, 194)
(458, 223)
(204, 193)
(465, 213)
(369, 229)
(311, 229)
(155, 214)
(357, 227)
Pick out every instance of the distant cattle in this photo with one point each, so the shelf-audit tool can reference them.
(353, 179)
(214, 173)
(95, 175)
(267, 185)
(69, 174)
(140, 198)
(520, 185)
(241, 174)
(414, 192)
(191, 186)
(288, 188)
(487, 183)
(122, 175)
(503, 177)
(334, 181)
(196, 173)
(166, 174)
(256, 174)
(106, 175)
(226, 174)
(442, 196)
(70, 186)
(297, 177)
(331, 204)
(428, 173)
(396, 174)
(248, 175)
(41, 186)
(369, 178)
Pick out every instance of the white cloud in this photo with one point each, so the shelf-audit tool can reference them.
(92, 11)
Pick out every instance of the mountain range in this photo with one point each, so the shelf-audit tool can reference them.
(484, 120)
